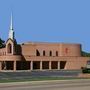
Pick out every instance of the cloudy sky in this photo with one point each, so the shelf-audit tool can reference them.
(66, 21)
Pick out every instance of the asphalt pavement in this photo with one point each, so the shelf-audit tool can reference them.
(48, 85)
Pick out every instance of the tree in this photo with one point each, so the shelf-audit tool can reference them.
(85, 54)
(2, 43)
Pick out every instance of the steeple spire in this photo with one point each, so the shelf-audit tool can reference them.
(11, 24)
(11, 31)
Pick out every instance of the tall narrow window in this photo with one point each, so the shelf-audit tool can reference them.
(43, 53)
(50, 54)
(37, 53)
(9, 48)
(56, 53)
(66, 50)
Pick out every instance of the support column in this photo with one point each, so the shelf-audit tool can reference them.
(0, 66)
(40, 65)
(5, 67)
(49, 65)
(31, 65)
(14, 66)
(58, 65)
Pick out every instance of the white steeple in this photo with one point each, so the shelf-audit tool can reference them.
(11, 31)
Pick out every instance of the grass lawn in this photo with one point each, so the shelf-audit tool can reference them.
(6, 80)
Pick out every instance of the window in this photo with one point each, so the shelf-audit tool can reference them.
(56, 53)
(66, 50)
(43, 53)
(50, 54)
(5, 53)
(9, 48)
(37, 53)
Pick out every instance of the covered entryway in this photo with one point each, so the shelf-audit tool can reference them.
(7, 65)
(36, 65)
(62, 64)
(54, 65)
(23, 65)
(45, 65)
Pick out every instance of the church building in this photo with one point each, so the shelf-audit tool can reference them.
(40, 56)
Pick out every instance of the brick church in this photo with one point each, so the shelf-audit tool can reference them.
(40, 56)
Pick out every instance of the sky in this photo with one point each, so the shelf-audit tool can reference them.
(63, 21)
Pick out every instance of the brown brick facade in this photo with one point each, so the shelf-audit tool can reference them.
(41, 56)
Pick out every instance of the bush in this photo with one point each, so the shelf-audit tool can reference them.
(86, 70)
